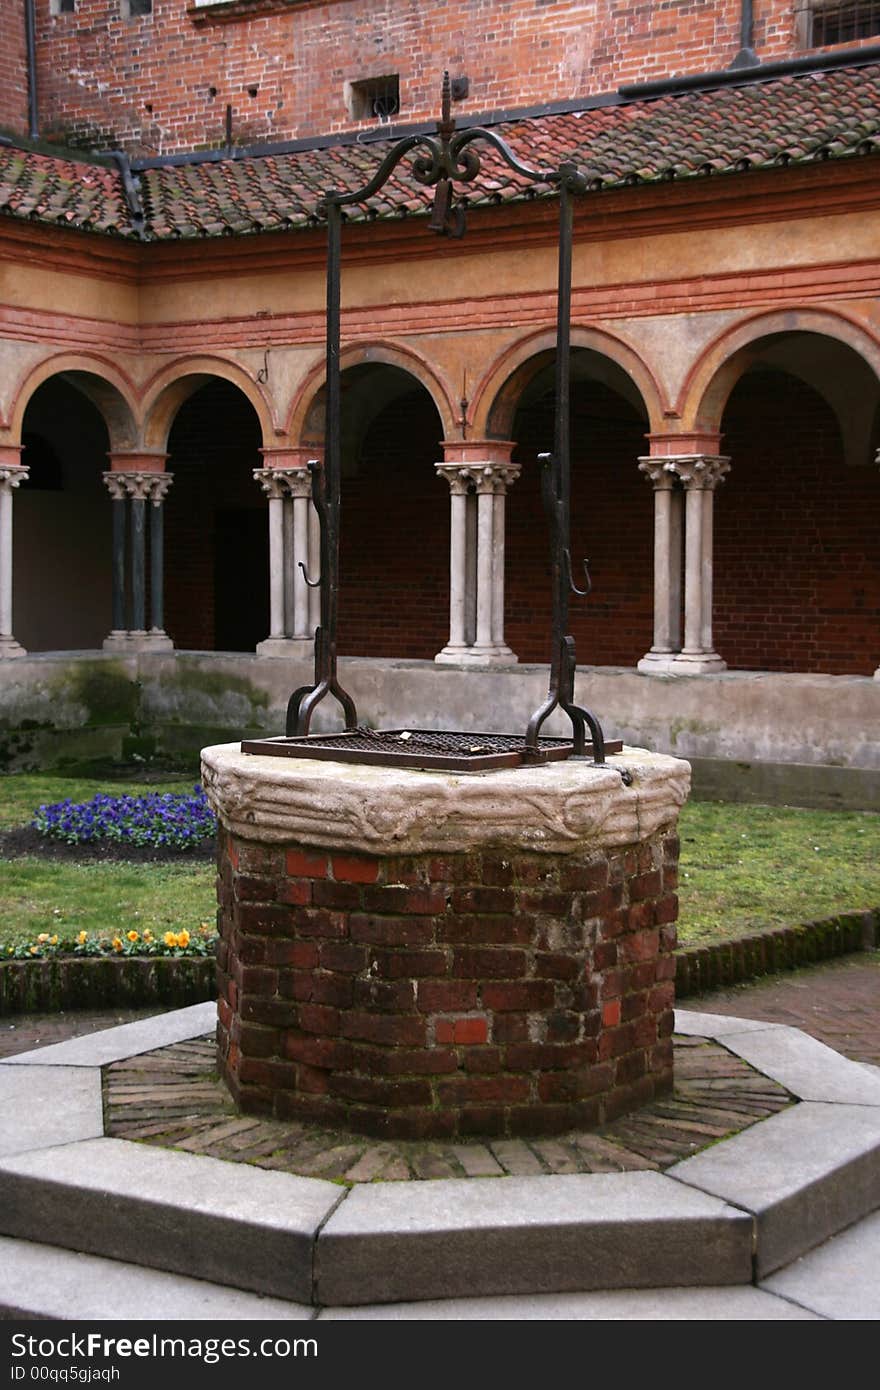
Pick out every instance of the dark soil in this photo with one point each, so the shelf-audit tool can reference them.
(24, 840)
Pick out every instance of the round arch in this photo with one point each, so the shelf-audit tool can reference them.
(496, 399)
(110, 390)
(177, 381)
(306, 420)
(714, 375)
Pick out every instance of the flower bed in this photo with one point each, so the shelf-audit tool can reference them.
(178, 820)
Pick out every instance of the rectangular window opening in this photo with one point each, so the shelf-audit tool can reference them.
(843, 22)
(375, 98)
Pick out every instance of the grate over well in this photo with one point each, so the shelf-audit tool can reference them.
(428, 748)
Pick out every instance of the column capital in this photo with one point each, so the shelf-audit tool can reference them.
(481, 476)
(11, 475)
(284, 482)
(698, 471)
(657, 471)
(139, 484)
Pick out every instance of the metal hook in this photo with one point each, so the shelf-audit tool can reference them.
(581, 593)
(312, 583)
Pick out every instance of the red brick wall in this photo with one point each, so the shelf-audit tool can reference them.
(13, 71)
(797, 569)
(146, 83)
(394, 538)
(441, 995)
(612, 526)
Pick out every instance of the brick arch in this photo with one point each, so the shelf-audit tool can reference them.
(714, 375)
(175, 383)
(306, 422)
(497, 397)
(110, 390)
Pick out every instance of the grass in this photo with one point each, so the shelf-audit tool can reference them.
(748, 868)
(743, 869)
(38, 895)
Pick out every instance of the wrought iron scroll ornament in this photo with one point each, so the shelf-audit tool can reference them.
(441, 162)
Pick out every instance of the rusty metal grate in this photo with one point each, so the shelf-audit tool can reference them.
(428, 748)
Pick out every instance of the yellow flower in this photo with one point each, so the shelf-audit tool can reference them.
(132, 936)
(183, 939)
(170, 938)
(34, 950)
(148, 935)
(53, 940)
(82, 938)
(44, 936)
(116, 944)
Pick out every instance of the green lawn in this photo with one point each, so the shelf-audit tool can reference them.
(743, 868)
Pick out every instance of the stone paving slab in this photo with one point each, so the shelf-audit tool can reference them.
(806, 1067)
(49, 1105)
(389, 1242)
(692, 1023)
(805, 1174)
(730, 1304)
(127, 1040)
(839, 1280)
(43, 1281)
(173, 1211)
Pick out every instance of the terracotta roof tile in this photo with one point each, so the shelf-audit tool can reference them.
(791, 120)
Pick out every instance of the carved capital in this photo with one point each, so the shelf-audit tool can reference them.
(137, 484)
(12, 475)
(700, 472)
(284, 482)
(657, 472)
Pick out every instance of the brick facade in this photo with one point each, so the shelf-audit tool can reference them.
(161, 83)
(443, 995)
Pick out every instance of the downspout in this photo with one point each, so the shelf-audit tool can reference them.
(30, 38)
(747, 57)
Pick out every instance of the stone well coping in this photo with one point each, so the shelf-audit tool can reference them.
(558, 808)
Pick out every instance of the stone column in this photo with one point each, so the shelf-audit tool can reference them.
(161, 482)
(700, 476)
(292, 616)
(12, 475)
(479, 473)
(689, 478)
(667, 565)
(134, 481)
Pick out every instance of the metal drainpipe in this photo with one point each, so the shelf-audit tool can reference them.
(31, 45)
(747, 57)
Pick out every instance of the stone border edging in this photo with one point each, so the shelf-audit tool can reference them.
(703, 968)
(780, 1187)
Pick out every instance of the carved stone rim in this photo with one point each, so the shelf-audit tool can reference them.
(560, 808)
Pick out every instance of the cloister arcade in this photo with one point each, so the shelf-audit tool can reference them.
(730, 522)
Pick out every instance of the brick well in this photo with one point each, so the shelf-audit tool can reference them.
(441, 992)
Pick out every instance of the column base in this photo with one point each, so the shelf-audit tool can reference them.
(697, 664)
(476, 656)
(877, 674)
(291, 647)
(658, 663)
(138, 641)
(9, 648)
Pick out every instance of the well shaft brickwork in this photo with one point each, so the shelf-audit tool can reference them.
(446, 994)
